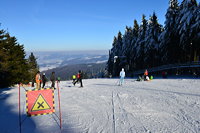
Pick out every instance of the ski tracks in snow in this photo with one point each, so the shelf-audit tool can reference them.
(124, 121)
(159, 106)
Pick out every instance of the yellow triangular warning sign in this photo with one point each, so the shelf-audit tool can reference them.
(40, 104)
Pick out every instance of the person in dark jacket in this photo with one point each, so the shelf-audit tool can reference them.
(79, 78)
(53, 80)
(44, 80)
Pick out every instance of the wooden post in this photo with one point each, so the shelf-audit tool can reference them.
(20, 130)
(59, 106)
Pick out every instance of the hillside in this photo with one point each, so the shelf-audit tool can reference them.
(53, 59)
(91, 70)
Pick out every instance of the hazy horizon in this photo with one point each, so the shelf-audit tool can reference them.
(101, 52)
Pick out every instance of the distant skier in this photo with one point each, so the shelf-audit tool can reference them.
(74, 79)
(164, 74)
(44, 80)
(145, 74)
(37, 80)
(122, 75)
(53, 79)
(79, 78)
(58, 78)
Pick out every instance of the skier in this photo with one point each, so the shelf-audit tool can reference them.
(53, 79)
(58, 78)
(164, 74)
(37, 80)
(145, 74)
(74, 79)
(122, 75)
(44, 80)
(79, 78)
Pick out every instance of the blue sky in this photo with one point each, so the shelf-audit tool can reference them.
(49, 25)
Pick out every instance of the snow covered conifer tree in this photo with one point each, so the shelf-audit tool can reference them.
(110, 64)
(116, 52)
(126, 40)
(112, 52)
(133, 51)
(126, 49)
(119, 44)
(13, 65)
(152, 42)
(170, 48)
(140, 48)
(33, 66)
(195, 28)
(188, 28)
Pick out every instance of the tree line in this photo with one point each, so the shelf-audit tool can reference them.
(150, 44)
(14, 68)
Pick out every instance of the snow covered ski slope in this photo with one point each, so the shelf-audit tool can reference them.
(158, 106)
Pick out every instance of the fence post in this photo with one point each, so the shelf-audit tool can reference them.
(20, 130)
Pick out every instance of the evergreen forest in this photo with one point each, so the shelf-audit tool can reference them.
(149, 44)
(14, 68)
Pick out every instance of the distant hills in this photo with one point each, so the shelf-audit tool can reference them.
(66, 63)
(92, 70)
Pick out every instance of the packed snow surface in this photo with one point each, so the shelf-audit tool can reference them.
(101, 106)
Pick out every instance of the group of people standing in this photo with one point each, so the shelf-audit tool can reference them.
(77, 78)
(42, 80)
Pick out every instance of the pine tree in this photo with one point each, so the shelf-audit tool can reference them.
(173, 4)
(13, 65)
(195, 35)
(110, 64)
(152, 42)
(133, 50)
(33, 66)
(126, 48)
(119, 44)
(151, 45)
(141, 44)
(187, 28)
(126, 40)
(170, 47)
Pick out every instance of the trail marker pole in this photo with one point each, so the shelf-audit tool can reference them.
(20, 130)
(59, 105)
